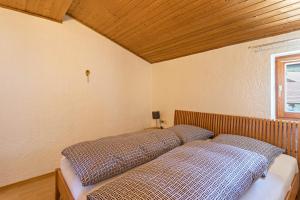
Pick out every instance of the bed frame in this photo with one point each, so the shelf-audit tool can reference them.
(281, 133)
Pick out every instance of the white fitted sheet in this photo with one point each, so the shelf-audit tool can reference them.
(273, 187)
(278, 181)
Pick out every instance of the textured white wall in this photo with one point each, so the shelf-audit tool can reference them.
(46, 103)
(231, 80)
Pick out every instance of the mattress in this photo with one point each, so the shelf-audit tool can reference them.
(273, 187)
(278, 181)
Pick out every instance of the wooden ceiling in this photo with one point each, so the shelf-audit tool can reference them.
(50, 9)
(159, 30)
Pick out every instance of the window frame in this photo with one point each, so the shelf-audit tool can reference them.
(280, 79)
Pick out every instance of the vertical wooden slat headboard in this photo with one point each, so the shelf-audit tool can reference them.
(281, 133)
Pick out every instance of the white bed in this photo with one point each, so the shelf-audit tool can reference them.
(273, 187)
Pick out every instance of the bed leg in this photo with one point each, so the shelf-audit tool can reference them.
(62, 191)
(57, 195)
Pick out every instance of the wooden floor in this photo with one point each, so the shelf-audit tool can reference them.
(42, 189)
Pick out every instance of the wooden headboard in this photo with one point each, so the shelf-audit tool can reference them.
(282, 133)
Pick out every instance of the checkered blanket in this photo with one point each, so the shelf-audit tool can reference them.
(197, 170)
(97, 160)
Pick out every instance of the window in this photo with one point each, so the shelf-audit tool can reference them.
(288, 86)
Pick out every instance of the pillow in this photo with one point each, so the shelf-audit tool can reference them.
(267, 150)
(188, 133)
(97, 160)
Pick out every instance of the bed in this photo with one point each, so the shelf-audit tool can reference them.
(280, 183)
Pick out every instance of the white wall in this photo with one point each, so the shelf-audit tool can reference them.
(231, 80)
(46, 103)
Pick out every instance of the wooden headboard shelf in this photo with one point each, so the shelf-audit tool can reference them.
(281, 133)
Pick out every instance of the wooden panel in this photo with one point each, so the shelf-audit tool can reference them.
(36, 188)
(162, 30)
(281, 133)
(62, 191)
(50, 9)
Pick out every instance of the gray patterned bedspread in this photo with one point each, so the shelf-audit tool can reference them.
(97, 160)
(197, 170)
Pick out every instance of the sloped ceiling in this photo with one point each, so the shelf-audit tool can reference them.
(159, 30)
(50, 9)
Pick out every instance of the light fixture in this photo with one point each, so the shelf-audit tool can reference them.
(156, 116)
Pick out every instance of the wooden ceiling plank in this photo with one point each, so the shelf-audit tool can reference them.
(268, 30)
(14, 4)
(138, 39)
(233, 33)
(161, 14)
(91, 13)
(145, 9)
(125, 10)
(144, 37)
(49, 9)
(217, 33)
(194, 20)
(84, 11)
(293, 26)
(228, 29)
(239, 17)
(125, 28)
(210, 40)
(173, 20)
